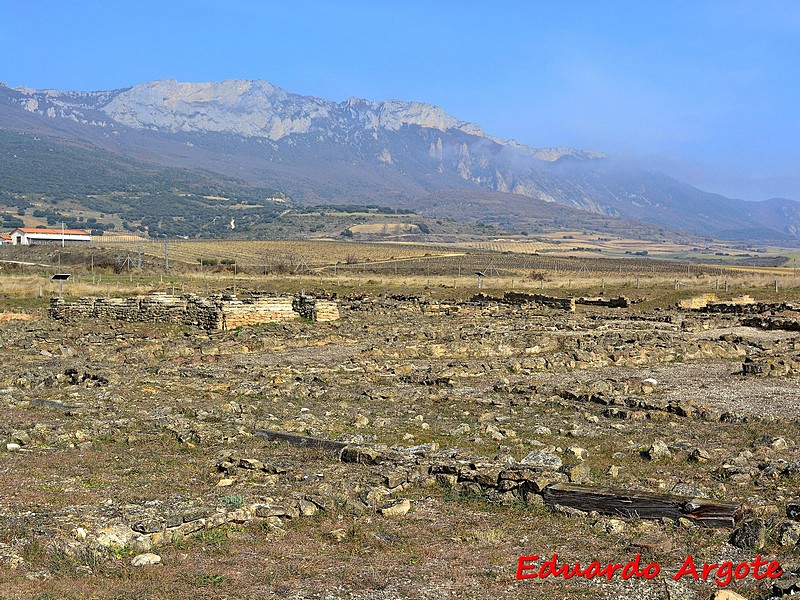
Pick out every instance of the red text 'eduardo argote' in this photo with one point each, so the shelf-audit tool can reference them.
(721, 573)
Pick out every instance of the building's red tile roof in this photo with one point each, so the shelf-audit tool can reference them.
(5, 236)
(54, 231)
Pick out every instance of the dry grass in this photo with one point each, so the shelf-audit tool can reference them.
(5, 317)
(447, 545)
(256, 254)
(23, 293)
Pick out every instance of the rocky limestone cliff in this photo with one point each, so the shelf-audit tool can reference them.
(237, 106)
(257, 109)
(260, 109)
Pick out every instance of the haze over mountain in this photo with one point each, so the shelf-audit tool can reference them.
(393, 153)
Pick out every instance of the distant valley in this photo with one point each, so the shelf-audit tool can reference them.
(161, 155)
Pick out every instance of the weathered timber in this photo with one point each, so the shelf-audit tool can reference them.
(643, 505)
(300, 440)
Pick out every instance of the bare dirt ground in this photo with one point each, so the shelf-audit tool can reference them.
(126, 439)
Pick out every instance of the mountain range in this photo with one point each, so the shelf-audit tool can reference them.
(406, 155)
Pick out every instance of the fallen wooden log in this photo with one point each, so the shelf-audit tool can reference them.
(643, 505)
(300, 440)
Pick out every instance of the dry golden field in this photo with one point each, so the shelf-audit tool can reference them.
(270, 253)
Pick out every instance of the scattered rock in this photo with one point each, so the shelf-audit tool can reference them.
(397, 509)
(750, 535)
(658, 451)
(360, 421)
(726, 595)
(362, 455)
(542, 458)
(577, 472)
(147, 526)
(610, 526)
(446, 480)
(115, 536)
(787, 584)
(789, 533)
(575, 453)
(699, 455)
(306, 508)
(677, 590)
(143, 560)
(21, 437)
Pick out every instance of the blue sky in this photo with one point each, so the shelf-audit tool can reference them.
(707, 91)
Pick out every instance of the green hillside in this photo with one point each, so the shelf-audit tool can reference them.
(42, 180)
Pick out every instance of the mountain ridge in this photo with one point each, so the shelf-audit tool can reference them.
(391, 152)
(143, 106)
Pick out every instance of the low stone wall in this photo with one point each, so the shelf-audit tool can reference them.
(619, 302)
(252, 311)
(205, 313)
(748, 308)
(316, 310)
(549, 301)
(216, 312)
(773, 322)
(772, 366)
(520, 298)
(325, 310)
(697, 302)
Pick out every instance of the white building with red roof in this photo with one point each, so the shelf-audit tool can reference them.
(27, 236)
